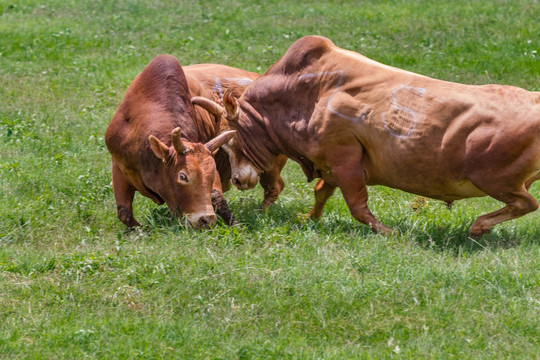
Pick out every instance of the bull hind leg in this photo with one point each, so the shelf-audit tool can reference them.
(123, 193)
(518, 203)
(322, 192)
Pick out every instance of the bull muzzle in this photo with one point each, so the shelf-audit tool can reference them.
(246, 180)
(200, 221)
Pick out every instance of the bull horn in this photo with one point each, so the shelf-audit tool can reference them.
(223, 138)
(211, 106)
(231, 105)
(177, 141)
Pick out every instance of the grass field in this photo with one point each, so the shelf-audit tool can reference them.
(75, 284)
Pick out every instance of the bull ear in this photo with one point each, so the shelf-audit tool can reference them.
(231, 106)
(209, 105)
(177, 141)
(160, 149)
(215, 143)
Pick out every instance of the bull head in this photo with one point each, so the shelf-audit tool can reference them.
(244, 175)
(189, 176)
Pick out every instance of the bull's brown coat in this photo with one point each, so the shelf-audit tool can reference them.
(140, 138)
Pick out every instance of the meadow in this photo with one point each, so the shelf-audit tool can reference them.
(76, 284)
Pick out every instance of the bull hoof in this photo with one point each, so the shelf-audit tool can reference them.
(228, 217)
(266, 204)
(384, 230)
(478, 231)
(303, 218)
(313, 215)
(126, 216)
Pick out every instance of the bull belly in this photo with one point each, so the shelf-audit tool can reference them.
(444, 191)
(457, 191)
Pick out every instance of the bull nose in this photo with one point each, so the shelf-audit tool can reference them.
(237, 182)
(206, 221)
(247, 183)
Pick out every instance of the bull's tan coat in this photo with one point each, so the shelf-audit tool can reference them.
(352, 122)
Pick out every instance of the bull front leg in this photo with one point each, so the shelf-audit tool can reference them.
(219, 203)
(272, 183)
(124, 193)
(222, 208)
(347, 169)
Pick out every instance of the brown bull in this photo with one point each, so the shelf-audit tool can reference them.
(156, 141)
(141, 133)
(354, 122)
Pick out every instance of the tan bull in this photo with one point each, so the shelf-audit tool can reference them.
(352, 122)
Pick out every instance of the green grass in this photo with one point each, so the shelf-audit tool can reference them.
(75, 284)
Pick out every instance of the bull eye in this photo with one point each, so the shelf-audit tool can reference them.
(183, 177)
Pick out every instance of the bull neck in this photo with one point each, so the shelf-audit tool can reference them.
(260, 149)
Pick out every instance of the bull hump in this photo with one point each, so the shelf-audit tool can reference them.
(163, 78)
(303, 53)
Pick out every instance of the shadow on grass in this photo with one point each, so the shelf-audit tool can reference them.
(455, 238)
(449, 235)
(293, 216)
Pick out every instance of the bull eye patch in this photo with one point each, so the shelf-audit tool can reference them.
(183, 177)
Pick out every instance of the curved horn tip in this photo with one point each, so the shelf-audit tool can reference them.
(214, 144)
(228, 135)
(177, 141)
(209, 105)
